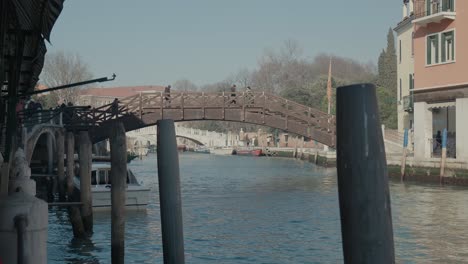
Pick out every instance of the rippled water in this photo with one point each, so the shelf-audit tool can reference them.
(267, 210)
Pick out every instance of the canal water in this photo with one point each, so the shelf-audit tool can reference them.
(267, 210)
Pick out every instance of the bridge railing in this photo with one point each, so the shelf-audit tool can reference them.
(145, 103)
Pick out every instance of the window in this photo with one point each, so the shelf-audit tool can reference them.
(400, 90)
(448, 46)
(400, 51)
(412, 45)
(443, 51)
(433, 49)
(436, 6)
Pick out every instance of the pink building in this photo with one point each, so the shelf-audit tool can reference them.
(440, 94)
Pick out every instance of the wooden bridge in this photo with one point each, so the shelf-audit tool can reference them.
(145, 109)
(265, 109)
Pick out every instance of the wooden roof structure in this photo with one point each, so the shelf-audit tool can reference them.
(25, 25)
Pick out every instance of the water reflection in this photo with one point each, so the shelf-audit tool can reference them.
(268, 210)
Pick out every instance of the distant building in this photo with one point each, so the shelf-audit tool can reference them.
(96, 97)
(440, 92)
(405, 67)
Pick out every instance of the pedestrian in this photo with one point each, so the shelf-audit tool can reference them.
(167, 94)
(438, 139)
(115, 107)
(249, 96)
(233, 94)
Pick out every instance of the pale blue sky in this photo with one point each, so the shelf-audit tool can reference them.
(152, 42)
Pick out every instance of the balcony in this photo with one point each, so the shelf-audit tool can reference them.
(408, 103)
(434, 12)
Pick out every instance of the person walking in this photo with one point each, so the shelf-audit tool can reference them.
(167, 95)
(115, 107)
(233, 94)
(249, 96)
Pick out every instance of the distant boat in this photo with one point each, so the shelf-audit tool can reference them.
(137, 195)
(182, 148)
(248, 152)
(222, 151)
(202, 149)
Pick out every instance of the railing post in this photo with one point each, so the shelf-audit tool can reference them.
(141, 107)
(182, 112)
(203, 104)
(162, 105)
(286, 113)
(224, 106)
(264, 107)
(243, 107)
(365, 208)
(169, 193)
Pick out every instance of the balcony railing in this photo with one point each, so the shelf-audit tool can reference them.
(434, 11)
(408, 103)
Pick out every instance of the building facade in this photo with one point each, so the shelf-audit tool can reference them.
(405, 67)
(440, 91)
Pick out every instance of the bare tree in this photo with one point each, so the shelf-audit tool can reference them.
(185, 85)
(62, 68)
(243, 77)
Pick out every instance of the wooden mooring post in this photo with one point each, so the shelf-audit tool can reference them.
(169, 193)
(444, 156)
(403, 158)
(366, 221)
(60, 141)
(85, 159)
(118, 149)
(72, 196)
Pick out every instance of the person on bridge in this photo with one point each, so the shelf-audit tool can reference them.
(167, 94)
(233, 94)
(115, 107)
(249, 96)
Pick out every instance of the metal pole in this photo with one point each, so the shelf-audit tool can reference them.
(403, 159)
(366, 220)
(118, 148)
(169, 194)
(60, 164)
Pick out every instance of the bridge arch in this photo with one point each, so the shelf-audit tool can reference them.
(191, 139)
(40, 133)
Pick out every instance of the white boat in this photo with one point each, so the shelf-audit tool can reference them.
(221, 151)
(137, 195)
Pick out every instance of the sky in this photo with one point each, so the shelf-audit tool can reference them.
(153, 42)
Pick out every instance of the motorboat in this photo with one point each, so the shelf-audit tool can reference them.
(137, 195)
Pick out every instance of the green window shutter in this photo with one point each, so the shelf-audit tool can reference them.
(453, 45)
(428, 7)
(452, 5)
(411, 82)
(428, 49)
(436, 44)
(445, 5)
(444, 51)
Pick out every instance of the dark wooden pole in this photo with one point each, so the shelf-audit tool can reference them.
(85, 158)
(118, 149)
(169, 194)
(73, 211)
(60, 164)
(366, 220)
(70, 161)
